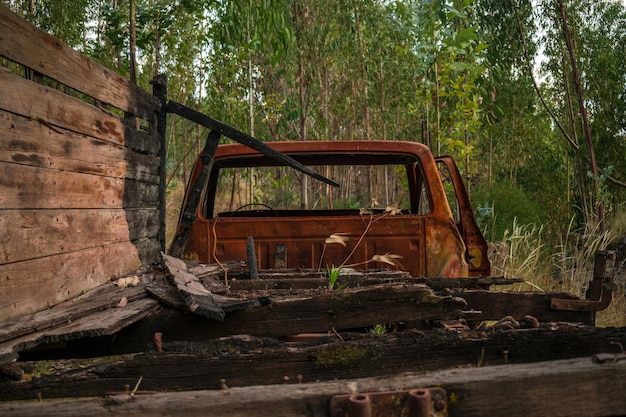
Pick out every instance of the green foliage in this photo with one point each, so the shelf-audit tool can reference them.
(333, 276)
(378, 329)
(498, 207)
(451, 74)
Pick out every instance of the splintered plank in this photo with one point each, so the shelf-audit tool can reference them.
(198, 299)
(102, 323)
(229, 360)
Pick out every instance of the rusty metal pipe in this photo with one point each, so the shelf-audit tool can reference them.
(359, 405)
(419, 403)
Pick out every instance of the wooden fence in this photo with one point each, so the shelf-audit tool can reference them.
(81, 168)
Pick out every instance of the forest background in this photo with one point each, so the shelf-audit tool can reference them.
(528, 96)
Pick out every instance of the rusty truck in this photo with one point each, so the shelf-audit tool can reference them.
(424, 225)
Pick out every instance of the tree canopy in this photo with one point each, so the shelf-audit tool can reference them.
(493, 83)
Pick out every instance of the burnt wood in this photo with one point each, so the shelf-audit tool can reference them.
(32, 330)
(328, 358)
(554, 388)
(490, 305)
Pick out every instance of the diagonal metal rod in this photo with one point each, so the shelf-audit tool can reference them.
(243, 138)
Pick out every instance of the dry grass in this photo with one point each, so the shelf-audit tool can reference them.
(174, 201)
(568, 267)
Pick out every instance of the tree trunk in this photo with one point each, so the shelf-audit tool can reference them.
(583, 114)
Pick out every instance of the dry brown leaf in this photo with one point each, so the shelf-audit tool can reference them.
(388, 258)
(365, 211)
(393, 210)
(122, 302)
(340, 238)
(128, 282)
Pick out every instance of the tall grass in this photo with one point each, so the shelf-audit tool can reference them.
(567, 266)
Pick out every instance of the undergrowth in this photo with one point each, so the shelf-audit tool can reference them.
(566, 266)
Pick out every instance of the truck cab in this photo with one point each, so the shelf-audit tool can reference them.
(396, 207)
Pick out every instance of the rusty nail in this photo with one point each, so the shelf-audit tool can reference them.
(359, 405)
(419, 403)
(299, 378)
(223, 384)
(506, 356)
(126, 389)
(158, 342)
(39, 397)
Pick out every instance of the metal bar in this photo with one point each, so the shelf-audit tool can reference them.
(599, 295)
(243, 138)
(188, 214)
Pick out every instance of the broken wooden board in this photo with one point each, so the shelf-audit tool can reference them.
(100, 298)
(62, 320)
(169, 295)
(199, 300)
(100, 323)
(195, 294)
(327, 358)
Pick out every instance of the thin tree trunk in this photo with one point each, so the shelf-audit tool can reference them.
(583, 114)
(133, 41)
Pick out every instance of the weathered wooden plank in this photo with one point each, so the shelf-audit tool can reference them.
(29, 142)
(574, 387)
(27, 234)
(26, 187)
(313, 279)
(198, 299)
(103, 297)
(62, 112)
(30, 286)
(22, 42)
(489, 305)
(351, 360)
(321, 311)
(102, 323)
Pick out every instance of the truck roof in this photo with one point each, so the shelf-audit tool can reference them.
(308, 152)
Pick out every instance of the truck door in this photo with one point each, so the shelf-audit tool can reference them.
(458, 200)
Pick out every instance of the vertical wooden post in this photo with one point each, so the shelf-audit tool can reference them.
(159, 90)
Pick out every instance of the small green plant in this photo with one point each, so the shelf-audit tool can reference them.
(379, 329)
(333, 276)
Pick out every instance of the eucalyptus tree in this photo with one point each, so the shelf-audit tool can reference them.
(588, 74)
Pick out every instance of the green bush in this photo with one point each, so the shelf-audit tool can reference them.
(497, 207)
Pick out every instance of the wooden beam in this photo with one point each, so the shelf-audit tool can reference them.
(574, 387)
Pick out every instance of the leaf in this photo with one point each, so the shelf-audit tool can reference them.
(337, 238)
(393, 210)
(128, 282)
(122, 302)
(388, 258)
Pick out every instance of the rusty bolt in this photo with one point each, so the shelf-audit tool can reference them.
(440, 405)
